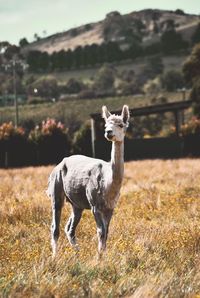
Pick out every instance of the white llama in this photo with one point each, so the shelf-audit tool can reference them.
(89, 183)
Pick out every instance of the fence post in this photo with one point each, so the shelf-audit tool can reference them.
(93, 136)
(6, 159)
(177, 122)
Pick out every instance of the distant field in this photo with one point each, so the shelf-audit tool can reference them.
(153, 246)
(79, 109)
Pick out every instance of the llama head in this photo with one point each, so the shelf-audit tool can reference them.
(115, 125)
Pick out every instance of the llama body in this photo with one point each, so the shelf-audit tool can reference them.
(89, 183)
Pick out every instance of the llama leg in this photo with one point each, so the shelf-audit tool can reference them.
(72, 223)
(57, 204)
(102, 219)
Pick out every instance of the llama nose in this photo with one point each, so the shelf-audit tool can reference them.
(109, 133)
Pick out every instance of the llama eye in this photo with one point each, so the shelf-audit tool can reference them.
(121, 125)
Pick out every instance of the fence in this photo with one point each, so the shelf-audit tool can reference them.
(19, 153)
(168, 147)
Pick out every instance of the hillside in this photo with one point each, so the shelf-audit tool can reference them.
(146, 26)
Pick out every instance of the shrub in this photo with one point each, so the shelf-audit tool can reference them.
(172, 80)
(9, 131)
(104, 81)
(196, 36)
(32, 100)
(87, 93)
(13, 144)
(74, 86)
(191, 67)
(44, 87)
(190, 128)
(152, 87)
(81, 143)
(179, 12)
(51, 140)
(48, 127)
(128, 88)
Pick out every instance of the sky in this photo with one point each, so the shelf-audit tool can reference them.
(24, 18)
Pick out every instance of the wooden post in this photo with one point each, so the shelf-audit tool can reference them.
(6, 159)
(93, 137)
(177, 122)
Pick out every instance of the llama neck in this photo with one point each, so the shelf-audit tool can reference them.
(117, 161)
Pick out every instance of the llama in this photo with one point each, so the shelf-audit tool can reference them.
(89, 183)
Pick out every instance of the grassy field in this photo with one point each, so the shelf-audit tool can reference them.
(79, 109)
(153, 246)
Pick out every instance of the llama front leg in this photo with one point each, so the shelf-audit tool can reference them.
(72, 223)
(102, 218)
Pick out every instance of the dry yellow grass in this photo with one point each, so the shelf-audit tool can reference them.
(153, 245)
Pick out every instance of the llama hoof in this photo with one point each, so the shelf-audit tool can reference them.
(76, 247)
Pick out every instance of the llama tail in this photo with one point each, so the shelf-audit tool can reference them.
(55, 193)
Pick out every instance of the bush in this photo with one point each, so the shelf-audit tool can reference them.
(13, 144)
(32, 100)
(196, 36)
(51, 141)
(87, 93)
(104, 81)
(9, 131)
(172, 41)
(195, 96)
(191, 67)
(152, 87)
(172, 80)
(74, 86)
(81, 143)
(44, 144)
(179, 12)
(129, 88)
(190, 128)
(46, 87)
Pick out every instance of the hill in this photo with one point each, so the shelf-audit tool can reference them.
(147, 26)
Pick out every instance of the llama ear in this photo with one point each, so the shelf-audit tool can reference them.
(105, 113)
(125, 114)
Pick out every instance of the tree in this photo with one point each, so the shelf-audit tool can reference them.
(172, 41)
(135, 50)
(152, 87)
(180, 12)
(196, 36)
(154, 67)
(74, 86)
(11, 51)
(36, 37)
(23, 42)
(33, 60)
(104, 82)
(44, 61)
(172, 80)
(191, 68)
(191, 71)
(78, 55)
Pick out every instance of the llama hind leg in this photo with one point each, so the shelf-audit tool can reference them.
(57, 204)
(72, 223)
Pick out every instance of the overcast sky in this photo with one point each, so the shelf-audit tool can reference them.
(24, 18)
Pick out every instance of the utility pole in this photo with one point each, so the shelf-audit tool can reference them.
(15, 93)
